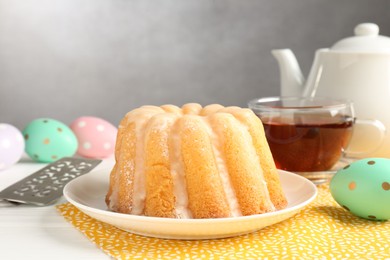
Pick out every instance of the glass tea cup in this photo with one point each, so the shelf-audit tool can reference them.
(310, 134)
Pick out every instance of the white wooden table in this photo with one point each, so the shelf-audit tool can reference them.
(29, 232)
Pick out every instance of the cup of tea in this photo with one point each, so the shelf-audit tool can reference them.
(310, 134)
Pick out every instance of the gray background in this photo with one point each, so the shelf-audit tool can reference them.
(69, 58)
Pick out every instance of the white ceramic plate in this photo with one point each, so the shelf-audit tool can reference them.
(87, 193)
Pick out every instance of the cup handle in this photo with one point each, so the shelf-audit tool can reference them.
(380, 131)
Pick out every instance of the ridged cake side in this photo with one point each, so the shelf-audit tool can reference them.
(193, 162)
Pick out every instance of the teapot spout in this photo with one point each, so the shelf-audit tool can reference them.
(291, 77)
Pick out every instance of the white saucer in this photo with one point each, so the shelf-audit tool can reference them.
(88, 192)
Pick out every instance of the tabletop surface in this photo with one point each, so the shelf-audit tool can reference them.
(39, 232)
(43, 233)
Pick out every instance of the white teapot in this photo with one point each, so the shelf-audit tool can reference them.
(356, 68)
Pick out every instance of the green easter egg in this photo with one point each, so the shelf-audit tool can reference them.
(48, 140)
(363, 188)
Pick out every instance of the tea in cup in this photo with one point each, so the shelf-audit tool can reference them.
(309, 134)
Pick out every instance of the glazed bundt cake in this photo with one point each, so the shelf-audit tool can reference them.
(193, 162)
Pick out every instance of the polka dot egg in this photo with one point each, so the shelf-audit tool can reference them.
(96, 137)
(11, 145)
(363, 188)
(48, 140)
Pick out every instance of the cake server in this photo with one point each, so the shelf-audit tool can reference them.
(45, 186)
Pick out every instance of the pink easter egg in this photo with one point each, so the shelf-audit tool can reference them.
(11, 145)
(96, 137)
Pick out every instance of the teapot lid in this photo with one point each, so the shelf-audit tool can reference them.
(366, 39)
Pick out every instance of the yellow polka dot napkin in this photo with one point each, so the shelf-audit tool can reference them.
(321, 230)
